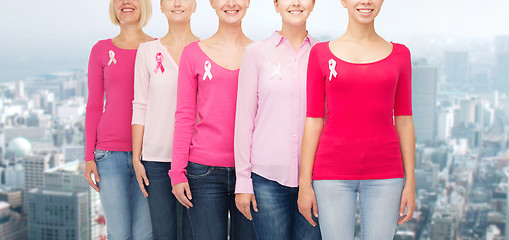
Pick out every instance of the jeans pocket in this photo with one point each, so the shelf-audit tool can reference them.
(196, 171)
(100, 155)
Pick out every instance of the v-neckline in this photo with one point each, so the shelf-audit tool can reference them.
(166, 52)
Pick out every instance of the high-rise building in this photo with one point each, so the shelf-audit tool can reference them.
(12, 226)
(424, 88)
(442, 225)
(66, 188)
(35, 165)
(58, 215)
(456, 69)
(502, 67)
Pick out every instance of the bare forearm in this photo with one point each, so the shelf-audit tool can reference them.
(137, 131)
(405, 128)
(312, 130)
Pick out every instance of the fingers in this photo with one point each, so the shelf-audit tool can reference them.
(315, 209)
(243, 203)
(180, 191)
(96, 175)
(141, 179)
(90, 182)
(408, 216)
(255, 205)
(306, 212)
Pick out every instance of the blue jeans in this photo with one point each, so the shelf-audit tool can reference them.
(213, 201)
(379, 207)
(278, 216)
(169, 220)
(125, 208)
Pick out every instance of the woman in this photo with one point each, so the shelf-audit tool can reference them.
(207, 85)
(271, 109)
(155, 97)
(108, 147)
(367, 145)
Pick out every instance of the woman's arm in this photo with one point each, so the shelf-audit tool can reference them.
(247, 107)
(306, 200)
(141, 88)
(405, 127)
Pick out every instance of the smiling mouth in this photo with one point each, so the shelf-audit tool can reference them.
(231, 11)
(365, 11)
(127, 9)
(177, 11)
(295, 12)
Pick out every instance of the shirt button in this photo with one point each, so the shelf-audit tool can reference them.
(295, 76)
(294, 135)
(294, 155)
(294, 115)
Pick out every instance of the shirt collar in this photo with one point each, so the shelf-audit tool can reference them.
(276, 39)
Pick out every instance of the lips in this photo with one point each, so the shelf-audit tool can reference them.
(127, 9)
(231, 11)
(177, 11)
(295, 12)
(365, 11)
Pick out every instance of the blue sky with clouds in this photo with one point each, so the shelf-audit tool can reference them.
(45, 36)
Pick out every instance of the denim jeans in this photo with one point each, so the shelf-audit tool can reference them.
(169, 220)
(125, 208)
(212, 189)
(379, 207)
(278, 216)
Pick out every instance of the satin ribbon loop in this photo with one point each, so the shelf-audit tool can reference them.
(159, 60)
(112, 58)
(277, 71)
(332, 69)
(207, 73)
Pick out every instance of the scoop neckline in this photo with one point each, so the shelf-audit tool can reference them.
(368, 63)
(212, 61)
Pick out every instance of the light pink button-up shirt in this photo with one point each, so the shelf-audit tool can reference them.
(271, 110)
(155, 99)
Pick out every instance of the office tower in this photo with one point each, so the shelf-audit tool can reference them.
(502, 67)
(456, 69)
(424, 88)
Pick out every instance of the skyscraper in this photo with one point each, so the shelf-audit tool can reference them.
(456, 69)
(502, 67)
(424, 88)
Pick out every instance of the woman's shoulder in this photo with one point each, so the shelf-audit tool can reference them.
(400, 48)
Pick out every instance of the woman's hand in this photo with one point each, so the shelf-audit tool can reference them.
(91, 167)
(408, 201)
(183, 193)
(243, 202)
(141, 176)
(307, 203)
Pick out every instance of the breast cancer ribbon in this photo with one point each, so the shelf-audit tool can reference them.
(112, 58)
(159, 59)
(332, 69)
(207, 73)
(277, 71)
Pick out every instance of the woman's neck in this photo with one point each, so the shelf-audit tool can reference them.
(229, 34)
(179, 34)
(360, 32)
(294, 34)
(130, 33)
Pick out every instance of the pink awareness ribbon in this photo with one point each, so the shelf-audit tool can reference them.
(159, 59)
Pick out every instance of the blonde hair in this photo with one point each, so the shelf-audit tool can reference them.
(145, 8)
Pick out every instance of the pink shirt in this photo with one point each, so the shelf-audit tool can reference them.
(155, 99)
(271, 110)
(211, 91)
(110, 78)
(359, 140)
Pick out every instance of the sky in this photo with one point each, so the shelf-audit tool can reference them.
(39, 37)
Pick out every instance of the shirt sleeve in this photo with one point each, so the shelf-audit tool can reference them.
(315, 86)
(141, 86)
(247, 107)
(403, 101)
(95, 102)
(185, 118)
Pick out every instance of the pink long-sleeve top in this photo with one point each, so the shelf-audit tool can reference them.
(359, 140)
(210, 90)
(155, 99)
(110, 78)
(271, 110)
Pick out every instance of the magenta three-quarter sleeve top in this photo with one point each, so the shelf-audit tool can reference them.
(209, 91)
(110, 81)
(155, 99)
(359, 140)
(271, 110)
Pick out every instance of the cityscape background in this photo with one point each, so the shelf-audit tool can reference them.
(460, 55)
